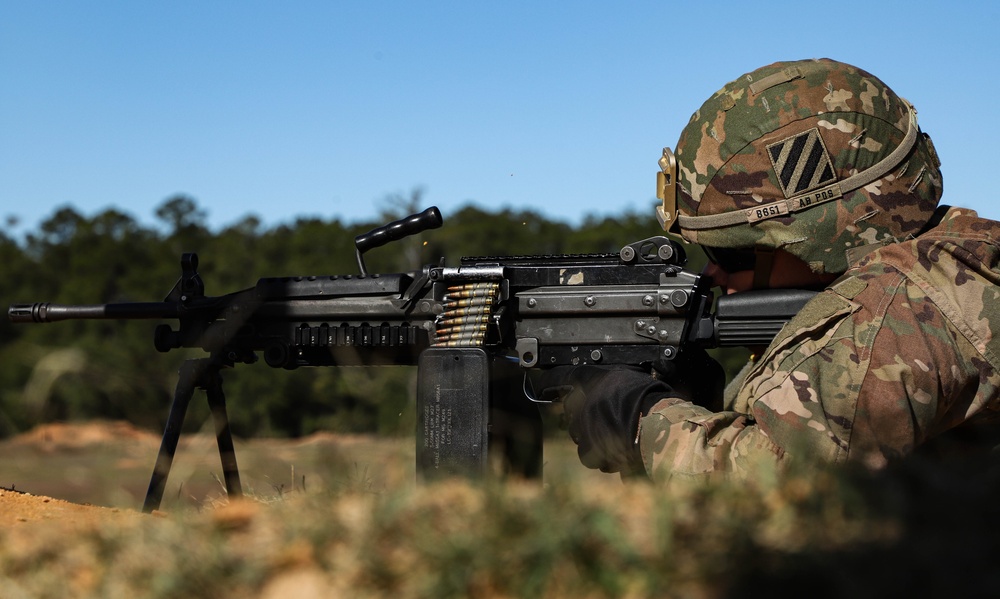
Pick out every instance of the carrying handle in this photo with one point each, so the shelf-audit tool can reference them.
(411, 225)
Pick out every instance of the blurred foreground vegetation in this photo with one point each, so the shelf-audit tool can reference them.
(77, 370)
(916, 529)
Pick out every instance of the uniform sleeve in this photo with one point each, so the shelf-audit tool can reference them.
(681, 440)
(894, 373)
(868, 370)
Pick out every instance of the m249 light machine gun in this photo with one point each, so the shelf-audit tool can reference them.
(471, 329)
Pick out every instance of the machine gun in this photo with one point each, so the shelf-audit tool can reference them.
(471, 330)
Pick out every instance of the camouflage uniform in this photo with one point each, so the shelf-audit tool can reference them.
(824, 161)
(897, 351)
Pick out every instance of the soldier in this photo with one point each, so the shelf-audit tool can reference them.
(813, 174)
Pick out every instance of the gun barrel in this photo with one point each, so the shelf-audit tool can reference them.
(48, 312)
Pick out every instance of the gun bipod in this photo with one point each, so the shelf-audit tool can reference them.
(201, 373)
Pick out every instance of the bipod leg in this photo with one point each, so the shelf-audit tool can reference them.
(223, 435)
(190, 373)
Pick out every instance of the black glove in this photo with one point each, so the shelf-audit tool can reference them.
(602, 407)
(603, 404)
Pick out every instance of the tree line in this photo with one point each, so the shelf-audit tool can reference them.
(109, 369)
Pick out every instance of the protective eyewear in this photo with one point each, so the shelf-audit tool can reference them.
(732, 260)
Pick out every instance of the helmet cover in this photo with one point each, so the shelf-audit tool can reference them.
(815, 157)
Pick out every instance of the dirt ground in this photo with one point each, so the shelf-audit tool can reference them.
(99, 471)
(19, 507)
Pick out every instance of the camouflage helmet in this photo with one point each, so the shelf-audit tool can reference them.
(815, 157)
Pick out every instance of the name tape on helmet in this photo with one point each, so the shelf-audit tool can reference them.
(783, 207)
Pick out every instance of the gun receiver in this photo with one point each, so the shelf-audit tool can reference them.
(469, 328)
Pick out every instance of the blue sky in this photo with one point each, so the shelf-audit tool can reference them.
(329, 109)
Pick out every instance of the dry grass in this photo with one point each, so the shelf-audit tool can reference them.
(362, 528)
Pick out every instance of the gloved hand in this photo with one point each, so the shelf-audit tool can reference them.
(603, 404)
